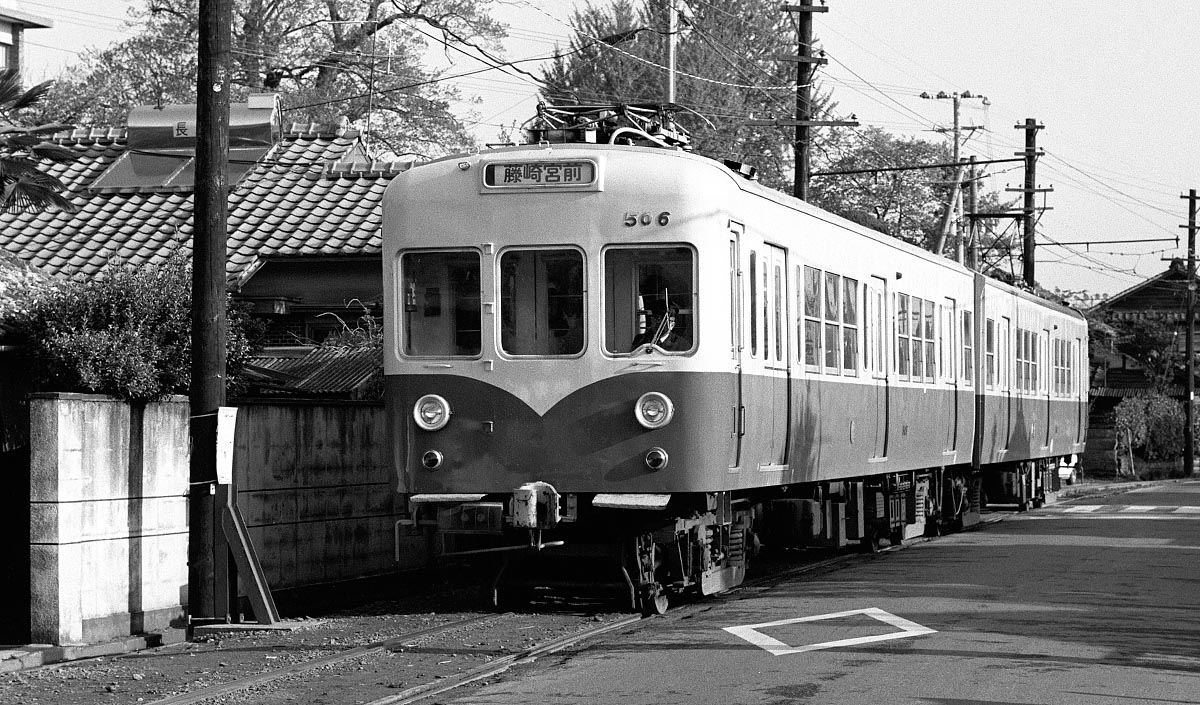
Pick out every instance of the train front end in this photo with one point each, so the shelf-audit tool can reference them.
(549, 384)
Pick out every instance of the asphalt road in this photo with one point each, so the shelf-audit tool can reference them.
(1088, 602)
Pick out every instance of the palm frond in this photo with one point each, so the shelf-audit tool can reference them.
(54, 153)
(25, 195)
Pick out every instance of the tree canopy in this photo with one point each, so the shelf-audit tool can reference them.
(726, 73)
(729, 73)
(328, 59)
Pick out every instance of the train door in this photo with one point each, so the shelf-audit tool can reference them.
(738, 426)
(946, 348)
(1006, 396)
(764, 409)
(1078, 390)
(877, 360)
(1047, 368)
(776, 351)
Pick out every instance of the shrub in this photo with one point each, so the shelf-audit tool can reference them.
(1151, 425)
(126, 333)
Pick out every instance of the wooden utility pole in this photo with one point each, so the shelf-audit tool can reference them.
(672, 44)
(806, 65)
(1031, 154)
(972, 255)
(207, 393)
(805, 68)
(1189, 440)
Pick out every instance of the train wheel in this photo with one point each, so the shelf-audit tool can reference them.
(870, 543)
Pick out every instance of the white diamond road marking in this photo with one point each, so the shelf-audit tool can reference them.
(1084, 508)
(1187, 510)
(775, 647)
(1137, 509)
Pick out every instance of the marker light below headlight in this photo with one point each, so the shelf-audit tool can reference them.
(431, 412)
(654, 410)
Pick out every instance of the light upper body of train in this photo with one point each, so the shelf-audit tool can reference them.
(640, 346)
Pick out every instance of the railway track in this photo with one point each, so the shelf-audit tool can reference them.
(445, 657)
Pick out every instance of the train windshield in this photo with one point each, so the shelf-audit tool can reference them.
(541, 302)
(441, 304)
(650, 298)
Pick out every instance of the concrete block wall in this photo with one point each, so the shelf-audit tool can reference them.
(108, 507)
(108, 517)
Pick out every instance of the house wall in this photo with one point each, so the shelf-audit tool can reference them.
(108, 529)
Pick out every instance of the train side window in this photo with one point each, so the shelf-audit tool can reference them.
(930, 358)
(1004, 356)
(903, 337)
(1043, 362)
(850, 326)
(1056, 366)
(649, 299)
(1022, 361)
(947, 342)
(874, 328)
(541, 302)
(779, 294)
(1028, 365)
(442, 313)
(833, 336)
(753, 304)
(766, 308)
(989, 352)
(735, 317)
(812, 318)
(1079, 368)
(968, 344)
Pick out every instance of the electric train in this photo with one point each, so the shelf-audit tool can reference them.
(611, 361)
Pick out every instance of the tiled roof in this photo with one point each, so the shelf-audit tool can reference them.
(325, 372)
(313, 193)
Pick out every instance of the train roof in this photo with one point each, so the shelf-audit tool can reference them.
(742, 180)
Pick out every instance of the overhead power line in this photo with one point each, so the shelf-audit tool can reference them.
(949, 165)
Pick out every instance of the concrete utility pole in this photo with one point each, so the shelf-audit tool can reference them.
(207, 393)
(1189, 451)
(954, 205)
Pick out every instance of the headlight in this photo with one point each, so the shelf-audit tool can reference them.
(654, 410)
(431, 412)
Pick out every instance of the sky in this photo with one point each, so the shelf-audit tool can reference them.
(1109, 81)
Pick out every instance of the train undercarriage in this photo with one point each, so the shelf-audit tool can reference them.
(648, 550)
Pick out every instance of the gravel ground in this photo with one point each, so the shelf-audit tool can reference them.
(154, 674)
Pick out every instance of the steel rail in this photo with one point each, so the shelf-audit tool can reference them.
(425, 691)
(428, 690)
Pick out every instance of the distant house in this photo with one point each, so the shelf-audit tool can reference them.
(1160, 300)
(13, 23)
(304, 213)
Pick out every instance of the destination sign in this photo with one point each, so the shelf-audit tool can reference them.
(539, 174)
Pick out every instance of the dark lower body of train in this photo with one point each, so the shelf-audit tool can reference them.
(584, 499)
